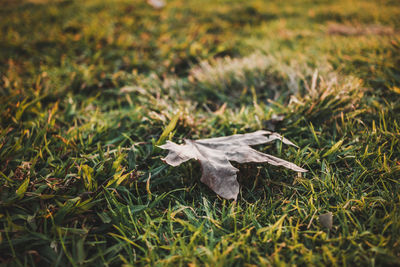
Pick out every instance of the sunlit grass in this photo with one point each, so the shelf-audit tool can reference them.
(87, 88)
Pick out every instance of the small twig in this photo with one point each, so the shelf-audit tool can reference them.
(312, 218)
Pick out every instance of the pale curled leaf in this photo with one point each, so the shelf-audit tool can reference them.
(326, 220)
(214, 155)
(157, 4)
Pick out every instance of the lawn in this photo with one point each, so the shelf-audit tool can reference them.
(88, 89)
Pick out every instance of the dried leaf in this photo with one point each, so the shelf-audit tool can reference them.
(157, 4)
(326, 220)
(214, 155)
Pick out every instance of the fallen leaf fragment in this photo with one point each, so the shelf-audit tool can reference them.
(214, 155)
(157, 4)
(326, 220)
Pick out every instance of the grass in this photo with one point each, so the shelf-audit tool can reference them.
(87, 89)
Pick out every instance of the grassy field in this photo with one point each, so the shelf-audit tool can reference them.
(88, 87)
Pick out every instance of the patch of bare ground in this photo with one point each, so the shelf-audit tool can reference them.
(357, 30)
